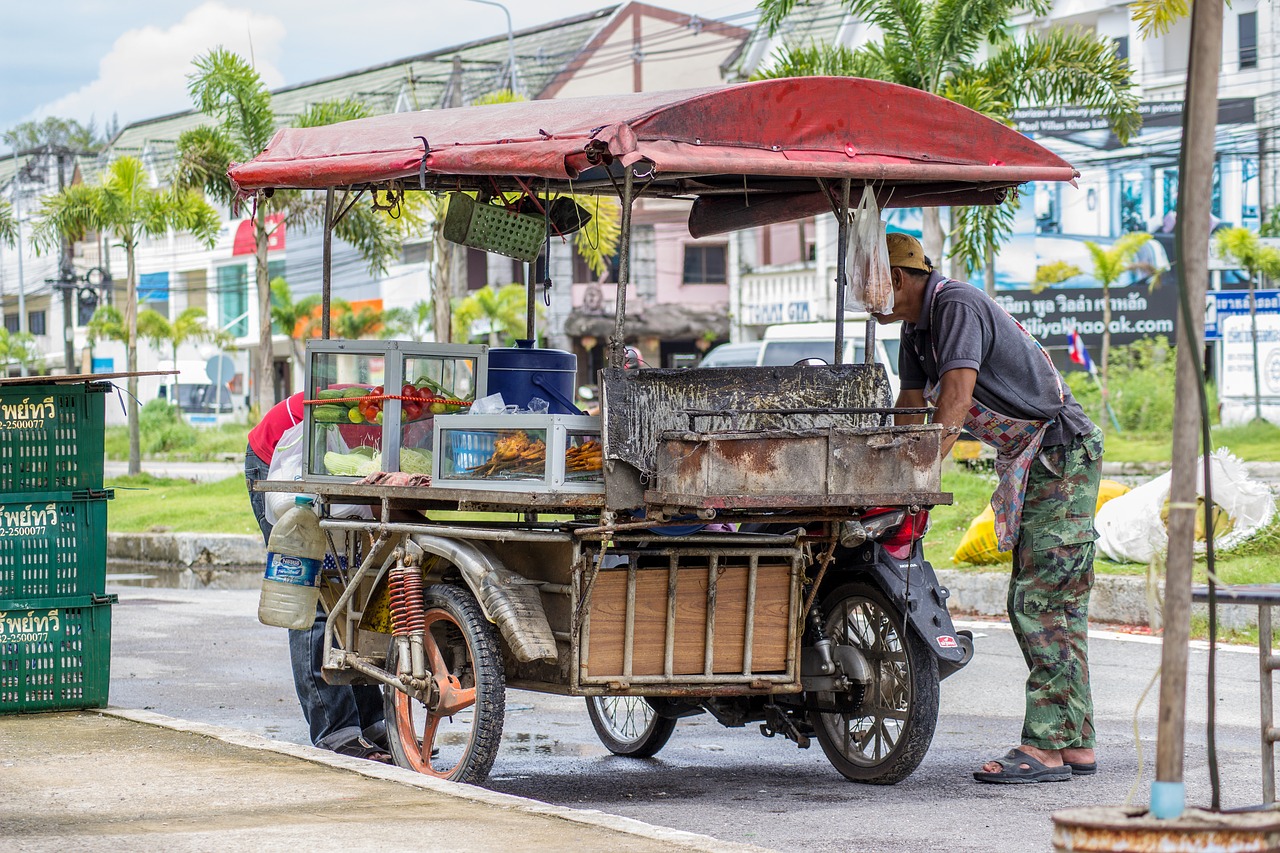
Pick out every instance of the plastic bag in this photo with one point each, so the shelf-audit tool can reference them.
(870, 287)
(1130, 529)
(978, 545)
(491, 405)
(286, 464)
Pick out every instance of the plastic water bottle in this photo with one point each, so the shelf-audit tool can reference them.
(291, 584)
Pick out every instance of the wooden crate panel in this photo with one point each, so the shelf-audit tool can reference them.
(608, 621)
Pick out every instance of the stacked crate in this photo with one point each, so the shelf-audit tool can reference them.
(55, 615)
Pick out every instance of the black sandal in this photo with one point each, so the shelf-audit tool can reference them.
(1013, 773)
(361, 748)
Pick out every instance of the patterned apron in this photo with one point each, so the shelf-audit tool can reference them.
(1016, 442)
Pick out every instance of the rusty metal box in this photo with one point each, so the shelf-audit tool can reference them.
(825, 467)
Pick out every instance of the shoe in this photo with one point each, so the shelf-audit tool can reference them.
(1080, 768)
(361, 748)
(1013, 773)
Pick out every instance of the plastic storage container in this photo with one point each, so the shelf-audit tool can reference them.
(55, 653)
(51, 437)
(53, 544)
(291, 583)
(521, 373)
(519, 453)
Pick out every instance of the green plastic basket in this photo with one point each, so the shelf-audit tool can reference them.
(493, 228)
(51, 437)
(53, 544)
(55, 653)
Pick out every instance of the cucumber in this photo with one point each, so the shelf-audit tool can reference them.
(331, 394)
(329, 414)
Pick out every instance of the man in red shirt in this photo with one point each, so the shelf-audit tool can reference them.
(344, 718)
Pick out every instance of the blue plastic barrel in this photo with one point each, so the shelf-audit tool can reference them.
(521, 373)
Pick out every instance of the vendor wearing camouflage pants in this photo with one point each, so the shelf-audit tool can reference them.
(987, 375)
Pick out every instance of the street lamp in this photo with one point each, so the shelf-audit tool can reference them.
(511, 45)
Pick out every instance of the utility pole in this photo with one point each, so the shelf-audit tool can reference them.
(22, 281)
(66, 276)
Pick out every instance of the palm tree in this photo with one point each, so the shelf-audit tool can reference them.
(228, 89)
(8, 224)
(413, 322)
(354, 324)
(504, 311)
(188, 327)
(18, 348)
(125, 206)
(963, 52)
(1258, 261)
(289, 317)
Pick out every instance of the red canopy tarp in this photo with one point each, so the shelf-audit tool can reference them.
(825, 127)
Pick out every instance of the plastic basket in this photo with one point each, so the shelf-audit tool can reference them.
(55, 653)
(53, 544)
(470, 449)
(51, 437)
(493, 228)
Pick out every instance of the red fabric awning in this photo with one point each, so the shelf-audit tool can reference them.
(812, 127)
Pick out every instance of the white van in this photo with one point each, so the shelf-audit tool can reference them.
(789, 343)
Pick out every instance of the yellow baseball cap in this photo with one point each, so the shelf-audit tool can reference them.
(906, 251)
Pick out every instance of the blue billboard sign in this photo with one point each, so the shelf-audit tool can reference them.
(1224, 303)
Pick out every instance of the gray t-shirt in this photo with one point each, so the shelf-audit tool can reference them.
(968, 329)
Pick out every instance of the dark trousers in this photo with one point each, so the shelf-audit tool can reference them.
(335, 713)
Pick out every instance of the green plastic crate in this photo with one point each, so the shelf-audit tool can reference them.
(53, 544)
(55, 653)
(51, 437)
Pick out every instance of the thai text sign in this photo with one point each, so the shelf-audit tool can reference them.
(1221, 304)
(1136, 312)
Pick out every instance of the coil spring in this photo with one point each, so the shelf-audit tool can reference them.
(405, 588)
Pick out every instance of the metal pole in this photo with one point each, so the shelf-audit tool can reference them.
(842, 263)
(530, 297)
(511, 46)
(1266, 665)
(1168, 792)
(617, 346)
(326, 272)
(66, 277)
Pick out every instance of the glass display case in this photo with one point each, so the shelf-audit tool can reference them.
(369, 405)
(530, 453)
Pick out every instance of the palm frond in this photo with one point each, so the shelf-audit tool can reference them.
(1157, 17)
(773, 13)
(956, 29)
(1054, 272)
(226, 87)
(1067, 67)
(68, 214)
(906, 40)
(976, 92)
(823, 61)
(597, 242)
(977, 229)
(331, 112)
(8, 224)
(204, 155)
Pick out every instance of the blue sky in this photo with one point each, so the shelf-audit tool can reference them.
(82, 60)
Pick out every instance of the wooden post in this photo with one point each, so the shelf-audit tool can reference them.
(1199, 121)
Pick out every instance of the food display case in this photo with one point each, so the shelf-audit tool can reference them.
(370, 404)
(525, 453)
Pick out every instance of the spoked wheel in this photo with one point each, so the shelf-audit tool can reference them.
(628, 725)
(457, 738)
(886, 738)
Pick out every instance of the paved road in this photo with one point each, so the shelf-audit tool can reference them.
(201, 655)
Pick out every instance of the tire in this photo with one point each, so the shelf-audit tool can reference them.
(887, 738)
(463, 656)
(628, 725)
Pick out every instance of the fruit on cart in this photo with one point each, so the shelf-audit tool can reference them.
(354, 416)
(439, 408)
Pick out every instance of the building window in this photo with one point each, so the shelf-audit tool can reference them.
(1247, 23)
(35, 323)
(233, 300)
(1122, 48)
(705, 264)
(11, 324)
(153, 292)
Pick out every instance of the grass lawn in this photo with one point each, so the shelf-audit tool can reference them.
(1255, 442)
(147, 504)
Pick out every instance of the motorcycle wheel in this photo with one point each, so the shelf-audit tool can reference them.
(458, 738)
(628, 725)
(885, 740)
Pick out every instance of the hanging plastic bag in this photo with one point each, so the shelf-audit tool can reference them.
(870, 287)
(286, 464)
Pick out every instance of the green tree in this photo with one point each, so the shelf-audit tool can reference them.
(188, 327)
(125, 206)
(8, 224)
(291, 317)
(1258, 261)
(965, 52)
(1108, 267)
(19, 348)
(354, 324)
(413, 322)
(503, 310)
(57, 133)
(229, 90)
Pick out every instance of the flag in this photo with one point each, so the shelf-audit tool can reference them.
(1079, 355)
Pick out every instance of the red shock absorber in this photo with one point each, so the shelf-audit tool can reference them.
(405, 589)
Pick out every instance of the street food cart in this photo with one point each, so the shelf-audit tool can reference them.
(744, 542)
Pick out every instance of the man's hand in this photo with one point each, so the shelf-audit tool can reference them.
(913, 399)
(955, 398)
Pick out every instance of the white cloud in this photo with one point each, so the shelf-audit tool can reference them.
(145, 72)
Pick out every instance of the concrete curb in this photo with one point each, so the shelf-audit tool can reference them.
(227, 561)
(675, 838)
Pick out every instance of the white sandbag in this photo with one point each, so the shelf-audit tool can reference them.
(1130, 529)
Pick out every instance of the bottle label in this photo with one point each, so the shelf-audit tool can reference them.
(302, 571)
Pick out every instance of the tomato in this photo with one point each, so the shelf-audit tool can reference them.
(408, 391)
(377, 391)
(413, 410)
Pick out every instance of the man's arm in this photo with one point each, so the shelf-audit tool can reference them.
(909, 399)
(955, 398)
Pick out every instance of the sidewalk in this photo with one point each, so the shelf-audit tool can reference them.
(132, 780)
